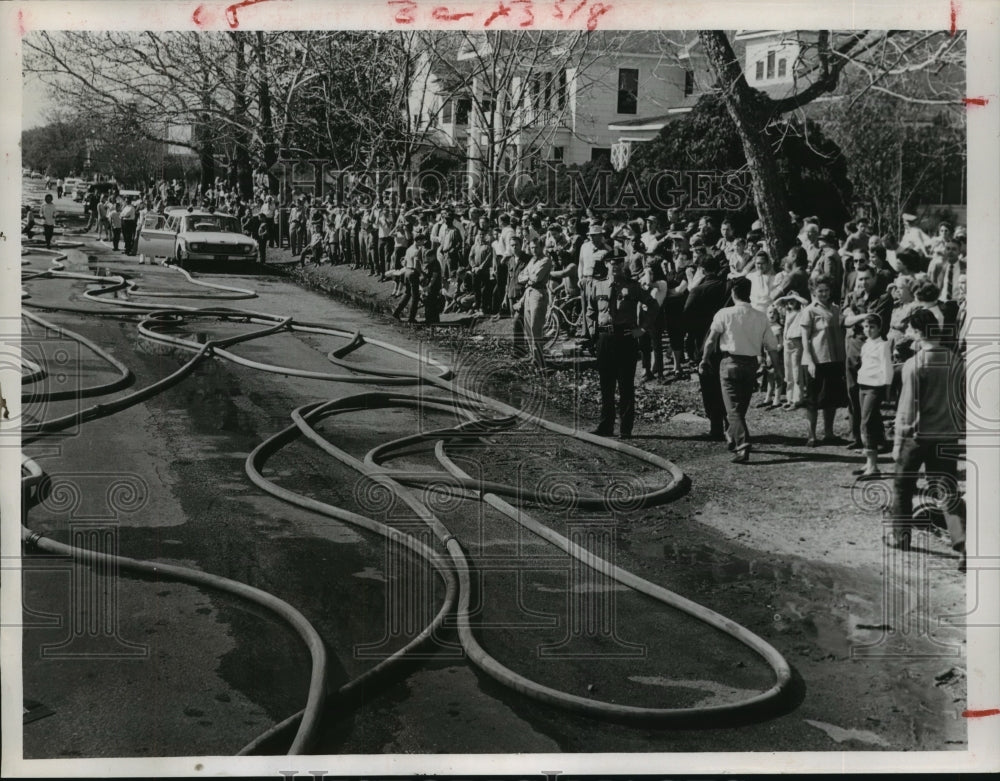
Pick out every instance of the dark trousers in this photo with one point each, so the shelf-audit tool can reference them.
(128, 235)
(48, 231)
(432, 306)
(939, 461)
(872, 429)
(737, 375)
(296, 237)
(411, 297)
(617, 355)
(482, 287)
(854, 397)
(651, 345)
(499, 287)
(383, 254)
(116, 236)
(711, 396)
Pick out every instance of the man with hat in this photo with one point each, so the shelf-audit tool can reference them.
(740, 333)
(619, 311)
(593, 250)
(828, 263)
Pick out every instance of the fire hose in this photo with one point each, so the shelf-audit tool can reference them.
(483, 416)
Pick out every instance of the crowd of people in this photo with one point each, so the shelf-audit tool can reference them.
(846, 319)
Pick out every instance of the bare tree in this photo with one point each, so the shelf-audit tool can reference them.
(920, 67)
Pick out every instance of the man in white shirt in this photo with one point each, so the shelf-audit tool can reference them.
(740, 332)
(48, 220)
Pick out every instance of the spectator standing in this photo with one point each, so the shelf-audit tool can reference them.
(517, 262)
(874, 379)
(450, 251)
(536, 298)
(741, 333)
(930, 419)
(413, 262)
(103, 226)
(823, 357)
(430, 288)
(699, 311)
(614, 308)
(869, 297)
(593, 250)
(481, 266)
(268, 214)
(792, 344)
(829, 264)
(945, 270)
(115, 223)
(654, 282)
(129, 215)
(48, 212)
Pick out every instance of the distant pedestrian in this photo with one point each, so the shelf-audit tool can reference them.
(48, 220)
(115, 223)
(741, 333)
(129, 215)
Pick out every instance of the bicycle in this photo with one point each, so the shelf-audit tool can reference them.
(562, 317)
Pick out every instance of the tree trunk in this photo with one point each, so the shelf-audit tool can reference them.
(270, 149)
(750, 117)
(240, 109)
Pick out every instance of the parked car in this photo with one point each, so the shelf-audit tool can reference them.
(189, 236)
(69, 187)
(129, 195)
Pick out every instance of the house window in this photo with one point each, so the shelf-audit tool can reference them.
(600, 153)
(628, 91)
(759, 74)
(782, 68)
(462, 108)
(688, 83)
(535, 92)
(558, 152)
(561, 90)
(446, 112)
(770, 65)
(548, 91)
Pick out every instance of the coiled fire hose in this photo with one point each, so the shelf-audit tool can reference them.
(158, 320)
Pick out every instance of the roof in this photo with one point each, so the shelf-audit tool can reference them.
(656, 122)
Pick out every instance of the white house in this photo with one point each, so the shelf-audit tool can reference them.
(559, 105)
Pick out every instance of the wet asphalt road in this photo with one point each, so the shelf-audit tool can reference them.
(179, 671)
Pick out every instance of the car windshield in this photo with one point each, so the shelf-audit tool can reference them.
(210, 223)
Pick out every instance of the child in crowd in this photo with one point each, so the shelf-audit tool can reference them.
(774, 389)
(874, 379)
(792, 344)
